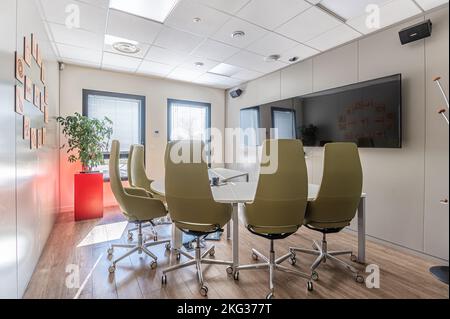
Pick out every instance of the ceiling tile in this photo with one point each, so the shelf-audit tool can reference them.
(76, 37)
(177, 40)
(430, 4)
(333, 38)
(308, 25)
(255, 62)
(132, 27)
(215, 50)
(348, 9)
(217, 80)
(92, 18)
(120, 62)
(77, 53)
(229, 6)
(300, 51)
(98, 3)
(191, 60)
(186, 11)
(272, 43)
(252, 33)
(81, 63)
(247, 75)
(184, 74)
(154, 68)
(165, 56)
(390, 13)
(271, 14)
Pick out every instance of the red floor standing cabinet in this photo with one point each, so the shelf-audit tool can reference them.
(88, 196)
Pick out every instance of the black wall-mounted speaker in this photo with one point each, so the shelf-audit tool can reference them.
(416, 32)
(235, 93)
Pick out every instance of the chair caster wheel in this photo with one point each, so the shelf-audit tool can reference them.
(177, 256)
(353, 258)
(293, 260)
(254, 256)
(130, 236)
(155, 238)
(269, 295)
(153, 264)
(315, 276)
(212, 252)
(112, 269)
(204, 291)
(229, 270)
(310, 286)
(163, 280)
(110, 251)
(236, 275)
(359, 279)
(168, 247)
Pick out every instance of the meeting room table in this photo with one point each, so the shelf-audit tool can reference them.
(237, 193)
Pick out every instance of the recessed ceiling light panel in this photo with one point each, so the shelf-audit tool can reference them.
(157, 10)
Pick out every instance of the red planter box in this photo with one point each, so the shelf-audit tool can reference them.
(88, 196)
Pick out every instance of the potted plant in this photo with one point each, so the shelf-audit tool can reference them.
(87, 140)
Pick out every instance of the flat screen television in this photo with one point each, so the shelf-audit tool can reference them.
(366, 113)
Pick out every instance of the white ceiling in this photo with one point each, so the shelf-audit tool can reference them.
(173, 49)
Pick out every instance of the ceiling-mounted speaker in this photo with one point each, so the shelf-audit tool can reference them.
(61, 66)
(416, 32)
(235, 93)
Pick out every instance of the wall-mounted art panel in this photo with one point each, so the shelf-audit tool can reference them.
(33, 138)
(36, 96)
(27, 50)
(34, 47)
(26, 128)
(28, 89)
(20, 68)
(19, 99)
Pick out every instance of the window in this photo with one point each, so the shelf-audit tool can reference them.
(188, 120)
(250, 126)
(284, 121)
(127, 112)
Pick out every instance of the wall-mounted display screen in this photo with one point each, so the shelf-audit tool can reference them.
(366, 113)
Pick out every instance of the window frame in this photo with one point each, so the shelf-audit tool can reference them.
(141, 98)
(274, 109)
(206, 105)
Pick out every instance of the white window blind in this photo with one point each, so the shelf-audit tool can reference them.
(123, 112)
(188, 120)
(284, 121)
(250, 127)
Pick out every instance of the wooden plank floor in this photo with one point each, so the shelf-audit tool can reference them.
(402, 275)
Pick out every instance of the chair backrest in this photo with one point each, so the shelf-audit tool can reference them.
(138, 173)
(114, 174)
(129, 174)
(341, 186)
(281, 197)
(187, 187)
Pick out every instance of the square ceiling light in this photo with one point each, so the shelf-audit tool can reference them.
(348, 9)
(157, 10)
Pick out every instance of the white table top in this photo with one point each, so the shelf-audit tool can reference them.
(235, 192)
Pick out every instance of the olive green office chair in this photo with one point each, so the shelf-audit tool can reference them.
(279, 205)
(336, 203)
(138, 178)
(137, 205)
(191, 203)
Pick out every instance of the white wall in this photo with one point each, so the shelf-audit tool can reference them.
(404, 185)
(29, 189)
(74, 79)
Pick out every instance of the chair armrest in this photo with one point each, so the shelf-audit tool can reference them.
(136, 191)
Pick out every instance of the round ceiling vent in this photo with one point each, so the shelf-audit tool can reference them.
(126, 47)
(237, 34)
(199, 64)
(272, 58)
(294, 59)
